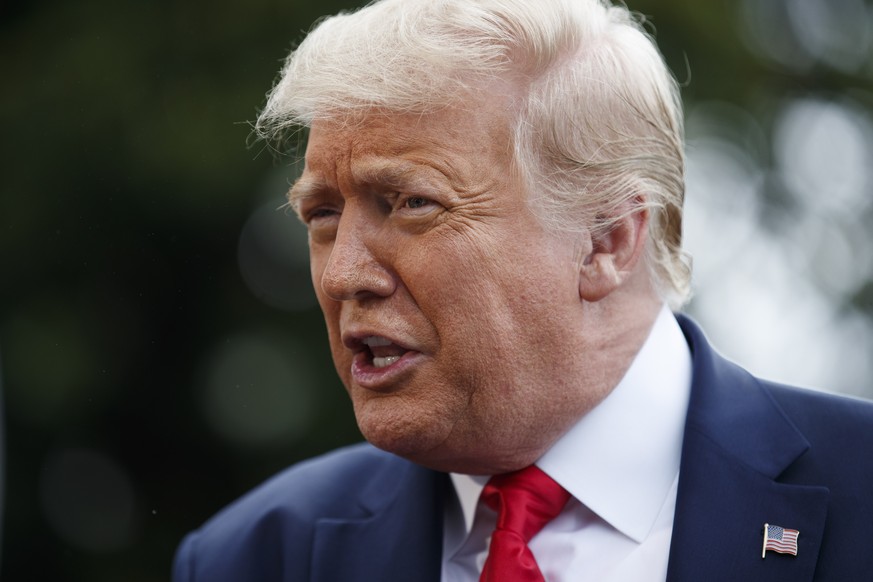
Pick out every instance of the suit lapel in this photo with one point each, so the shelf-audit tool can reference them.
(397, 536)
(737, 443)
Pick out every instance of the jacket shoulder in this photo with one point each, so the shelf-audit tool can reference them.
(268, 533)
(817, 406)
(839, 429)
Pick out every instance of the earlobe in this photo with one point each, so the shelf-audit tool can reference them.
(614, 255)
(598, 277)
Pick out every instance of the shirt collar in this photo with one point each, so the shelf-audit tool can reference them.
(621, 459)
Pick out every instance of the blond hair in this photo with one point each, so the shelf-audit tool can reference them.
(597, 134)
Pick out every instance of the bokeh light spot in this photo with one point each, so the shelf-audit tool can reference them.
(767, 298)
(825, 152)
(766, 31)
(257, 390)
(835, 32)
(798, 34)
(88, 500)
(273, 257)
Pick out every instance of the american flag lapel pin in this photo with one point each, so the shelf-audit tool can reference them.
(779, 539)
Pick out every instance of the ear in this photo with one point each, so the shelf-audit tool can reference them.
(614, 255)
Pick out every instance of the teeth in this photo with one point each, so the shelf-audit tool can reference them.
(375, 341)
(384, 362)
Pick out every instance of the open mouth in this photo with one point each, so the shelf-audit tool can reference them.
(381, 352)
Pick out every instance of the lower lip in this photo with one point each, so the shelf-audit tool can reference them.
(386, 379)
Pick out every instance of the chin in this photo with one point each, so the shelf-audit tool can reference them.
(429, 444)
(414, 436)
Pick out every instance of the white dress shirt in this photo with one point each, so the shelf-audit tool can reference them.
(620, 462)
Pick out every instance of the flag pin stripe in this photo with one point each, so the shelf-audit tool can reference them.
(779, 539)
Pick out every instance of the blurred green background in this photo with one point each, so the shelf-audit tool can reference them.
(160, 348)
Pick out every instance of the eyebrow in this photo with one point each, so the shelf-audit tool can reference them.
(391, 173)
(373, 172)
(404, 176)
(304, 187)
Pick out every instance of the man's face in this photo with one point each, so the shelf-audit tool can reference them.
(453, 315)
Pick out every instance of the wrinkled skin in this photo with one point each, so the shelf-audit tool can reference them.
(421, 235)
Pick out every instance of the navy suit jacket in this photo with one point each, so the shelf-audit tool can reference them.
(753, 453)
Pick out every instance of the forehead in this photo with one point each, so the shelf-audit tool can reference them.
(385, 147)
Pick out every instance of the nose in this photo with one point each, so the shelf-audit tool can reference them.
(355, 268)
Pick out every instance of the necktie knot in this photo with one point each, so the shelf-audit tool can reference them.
(525, 501)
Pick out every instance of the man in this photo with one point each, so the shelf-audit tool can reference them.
(493, 191)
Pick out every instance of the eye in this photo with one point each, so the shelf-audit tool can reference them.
(414, 202)
(321, 220)
(415, 207)
(316, 212)
(320, 213)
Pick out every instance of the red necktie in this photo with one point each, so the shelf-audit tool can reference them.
(525, 502)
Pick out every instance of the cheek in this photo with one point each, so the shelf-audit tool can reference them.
(316, 271)
(466, 308)
(474, 282)
(330, 310)
(490, 304)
